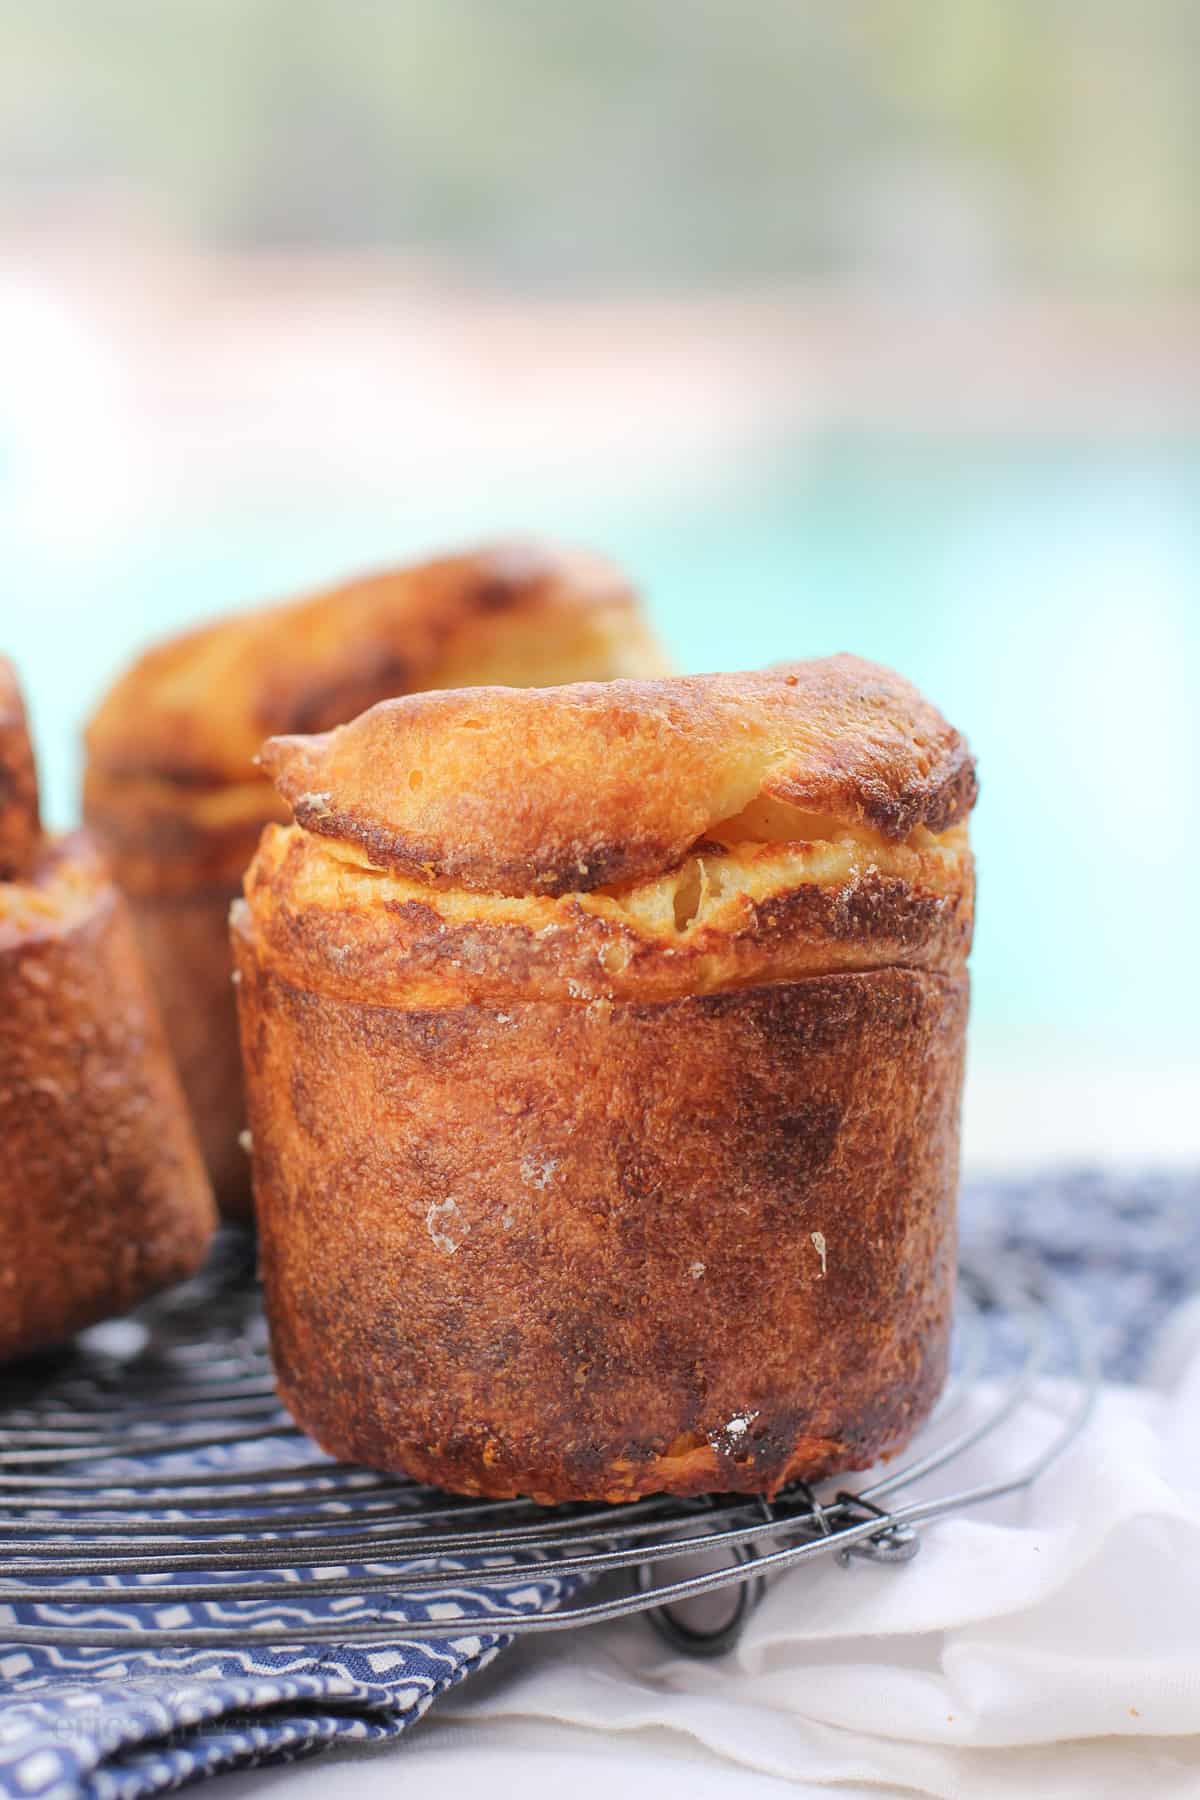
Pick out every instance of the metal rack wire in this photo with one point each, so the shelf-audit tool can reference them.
(92, 1498)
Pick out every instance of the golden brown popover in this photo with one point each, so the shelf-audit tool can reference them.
(603, 1049)
(103, 1195)
(172, 792)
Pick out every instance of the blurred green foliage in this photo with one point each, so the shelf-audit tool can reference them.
(977, 142)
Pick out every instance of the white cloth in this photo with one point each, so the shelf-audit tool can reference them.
(1047, 1645)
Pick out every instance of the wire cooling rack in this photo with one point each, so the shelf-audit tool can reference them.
(157, 1450)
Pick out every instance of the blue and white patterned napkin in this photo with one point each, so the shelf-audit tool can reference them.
(1126, 1247)
(119, 1726)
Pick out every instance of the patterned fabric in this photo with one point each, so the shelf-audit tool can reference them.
(119, 1726)
(122, 1725)
(1124, 1248)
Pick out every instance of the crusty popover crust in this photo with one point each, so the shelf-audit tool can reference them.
(103, 1196)
(561, 791)
(604, 1081)
(172, 790)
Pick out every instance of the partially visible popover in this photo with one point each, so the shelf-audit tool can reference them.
(604, 1047)
(173, 794)
(103, 1195)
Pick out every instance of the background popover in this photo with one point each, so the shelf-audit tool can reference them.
(604, 1047)
(172, 793)
(103, 1195)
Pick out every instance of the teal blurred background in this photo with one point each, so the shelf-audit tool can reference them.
(870, 328)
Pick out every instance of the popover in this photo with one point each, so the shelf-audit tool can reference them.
(604, 1047)
(103, 1194)
(172, 792)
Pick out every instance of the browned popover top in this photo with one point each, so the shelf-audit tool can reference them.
(636, 840)
(194, 710)
(564, 790)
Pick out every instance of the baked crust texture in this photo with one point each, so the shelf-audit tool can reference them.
(727, 917)
(173, 794)
(644, 1185)
(103, 1195)
(195, 710)
(563, 790)
(190, 933)
(595, 1251)
(20, 827)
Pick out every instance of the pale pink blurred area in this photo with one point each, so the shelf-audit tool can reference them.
(138, 379)
(146, 378)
